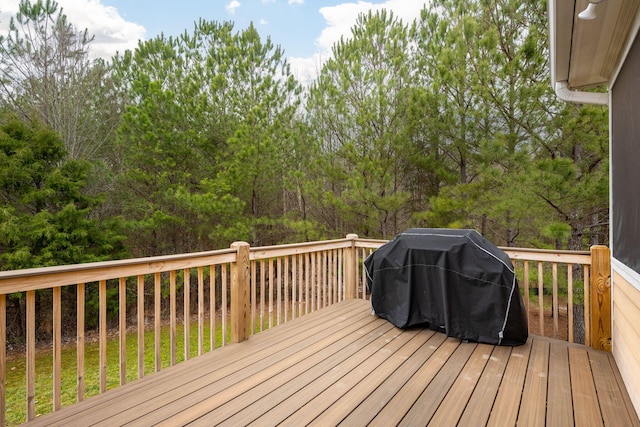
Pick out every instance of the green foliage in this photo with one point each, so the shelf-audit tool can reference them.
(446, 121)
(357, 110)
(499, 127)
(44, 216)
(205, 141)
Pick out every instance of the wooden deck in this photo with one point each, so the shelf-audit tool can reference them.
(342, 365)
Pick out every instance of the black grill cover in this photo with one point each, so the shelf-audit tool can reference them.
(452, 281)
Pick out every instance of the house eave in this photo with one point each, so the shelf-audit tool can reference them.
(585, 54)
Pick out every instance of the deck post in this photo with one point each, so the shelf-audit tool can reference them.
(240, 284)
(350, 269)
(600, 298)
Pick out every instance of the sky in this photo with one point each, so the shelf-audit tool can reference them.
(305, 29)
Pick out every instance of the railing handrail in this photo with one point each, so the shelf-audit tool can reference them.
(266, 252)
(369, 243)
(549, 255)
(530, 254)
(48, 277)
(167, 262)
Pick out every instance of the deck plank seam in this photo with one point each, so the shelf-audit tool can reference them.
(328, 413)
(441, 384)
(424, 352)
(248, 373)
(339, 355)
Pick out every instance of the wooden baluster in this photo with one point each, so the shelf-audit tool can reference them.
(172, 317)
(102, 297)
(554, 272)
(526, 290)
(212, 306)
(286, 281)
(271, 284)
(200, 310)
(294, 286)
(122, 317)
(140, 293)
(279, 288)
(157, 292)
(325, 280)
(314, 282)
(225, 301)
(254, 302)
(187, 314)
(80, 291)
(570, 337)
(300, 264)
(334, 275)
(329, 278)
(31, 355)
(587, 306)
(541, 298)
(262, 292)
(308, 290)
(57, 347)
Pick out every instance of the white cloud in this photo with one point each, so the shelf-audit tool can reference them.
(342, 17)
(112, 32)
(232, 6)
(306, 70)
(339, 20)
(263, 21)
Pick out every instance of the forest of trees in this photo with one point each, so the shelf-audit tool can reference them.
(193, 142)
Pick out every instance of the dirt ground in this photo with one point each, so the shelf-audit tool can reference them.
(534, 323)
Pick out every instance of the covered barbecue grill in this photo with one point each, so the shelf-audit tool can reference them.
(452, 281)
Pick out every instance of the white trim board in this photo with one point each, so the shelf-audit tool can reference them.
(627, 273)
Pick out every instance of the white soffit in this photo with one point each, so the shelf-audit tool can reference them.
(595, 46)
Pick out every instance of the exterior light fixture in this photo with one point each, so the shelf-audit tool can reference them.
(589, 14)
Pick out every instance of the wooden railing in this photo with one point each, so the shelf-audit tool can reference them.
(566, 303)
(205, 300)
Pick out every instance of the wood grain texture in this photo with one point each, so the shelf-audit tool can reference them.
(341, 365)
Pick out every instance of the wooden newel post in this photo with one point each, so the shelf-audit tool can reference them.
(600, 298)
(240, 283)
(351, 269)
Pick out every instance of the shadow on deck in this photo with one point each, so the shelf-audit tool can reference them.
(342, 365)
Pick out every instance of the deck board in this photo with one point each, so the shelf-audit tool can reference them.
(433, 395)
(534, 394)
(343, 366)
(323, 394)
(585, 399)
(560, 404)
(450, 411)
(478, 408)
(505, 407)
(393, 412)
(614, 412)
(378, 394)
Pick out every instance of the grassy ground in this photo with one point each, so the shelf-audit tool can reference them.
(16, 367)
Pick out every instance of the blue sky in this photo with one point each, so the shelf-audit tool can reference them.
(305, 29)
(294, 26)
